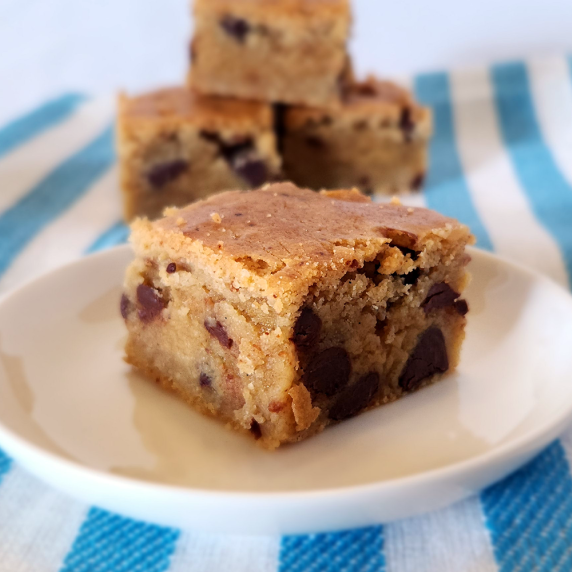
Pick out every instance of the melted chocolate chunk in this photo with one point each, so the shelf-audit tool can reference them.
(164, 173)
(418, 181)
(235, 27)
(428, 358)
(125, 306)
(461, 306)
(252, 170)
(150, 304)
(171, 267)
(242, 158)
(205, 380)
(328, 372)
(355, 398)
(255, 429)
(315, 142)
(440, 295)
(217, 330)
(307, 329)
(411, 277)
(406, 123)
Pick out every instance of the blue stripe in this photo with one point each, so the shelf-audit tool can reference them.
(548, 192)
(114, 235)
(529, 515)
(358, 550)
(110, 543)
(5, 464)
(25, 128)
(446, 189)
(53, 195)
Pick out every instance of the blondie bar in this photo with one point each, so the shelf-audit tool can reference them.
(175, 146)
(289, 51)
(376, 141)
(282, 310)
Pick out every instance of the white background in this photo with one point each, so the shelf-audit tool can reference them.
(98, 46)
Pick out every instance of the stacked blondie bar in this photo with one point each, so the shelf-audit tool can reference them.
(270, 96)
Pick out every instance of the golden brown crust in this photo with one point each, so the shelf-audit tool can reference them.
(297, 226)
(178, 105)
(384, 100)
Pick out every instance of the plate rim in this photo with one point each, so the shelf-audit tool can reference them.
(533, 439)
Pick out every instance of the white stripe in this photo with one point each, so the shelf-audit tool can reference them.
(69, 235)
(451, 540)
(27, 165)
(416, 199)
(551, 88)
(37, 524)
(197, 552)
(494, 187)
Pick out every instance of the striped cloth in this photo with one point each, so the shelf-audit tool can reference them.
(501, 161)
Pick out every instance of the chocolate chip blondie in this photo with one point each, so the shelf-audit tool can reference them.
(282, 310)
(175, 146)
(289, 51)
(376, 141)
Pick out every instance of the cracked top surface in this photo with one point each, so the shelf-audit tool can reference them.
(282, 225)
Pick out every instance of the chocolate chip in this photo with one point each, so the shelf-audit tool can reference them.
(211, 136)
(360, 125)
(315, 142)
(255, 429)
(411, 277)
(428, 358)
(328, 372)
(440, 295)
(205, 380)
(406, 123)
(242, 157)
(217, 330)
(417, 182)
(164, 173)
(171, 267)
(125, 306)
(150, 304)
(235, 27)
(462, 307)
(254, 171)
(307, 329)
(355, 398)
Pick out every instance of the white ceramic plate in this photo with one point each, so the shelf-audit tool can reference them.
(74, 414)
